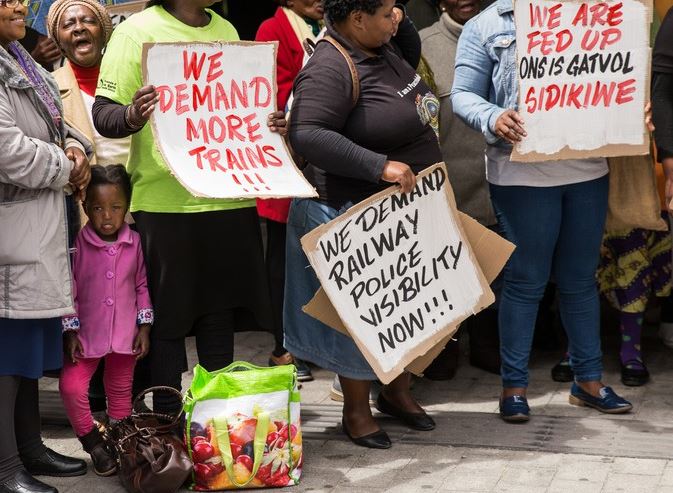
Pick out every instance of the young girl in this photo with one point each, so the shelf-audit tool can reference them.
(114, 312)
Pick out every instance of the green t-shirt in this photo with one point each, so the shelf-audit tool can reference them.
(155, 189)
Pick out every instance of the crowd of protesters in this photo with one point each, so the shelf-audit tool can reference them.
(106, 258)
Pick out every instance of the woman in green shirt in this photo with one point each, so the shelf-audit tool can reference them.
(204, 256)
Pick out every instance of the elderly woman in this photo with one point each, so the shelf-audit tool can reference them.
(541, 207)
(349, 159)
(204, 282)
(81, 29)
(40, 158)
(294, 22)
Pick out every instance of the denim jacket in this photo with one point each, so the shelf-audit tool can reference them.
(485, 81)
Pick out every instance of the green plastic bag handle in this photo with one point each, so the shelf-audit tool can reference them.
(222, 431)
(242, 364)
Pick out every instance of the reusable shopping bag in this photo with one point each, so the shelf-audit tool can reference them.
(633, 200)
(243, 427)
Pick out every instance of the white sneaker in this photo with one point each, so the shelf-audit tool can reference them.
(666, 333)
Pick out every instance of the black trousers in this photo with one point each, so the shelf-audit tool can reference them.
(20, 420)
(275, 269)
(214, 334)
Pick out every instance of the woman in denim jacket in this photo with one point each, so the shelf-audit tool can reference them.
(553, 211)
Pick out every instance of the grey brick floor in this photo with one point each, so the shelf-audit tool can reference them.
(562, 449)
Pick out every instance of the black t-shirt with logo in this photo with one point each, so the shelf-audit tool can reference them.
(395, 118)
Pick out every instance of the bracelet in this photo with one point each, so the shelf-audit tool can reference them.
(127, 120)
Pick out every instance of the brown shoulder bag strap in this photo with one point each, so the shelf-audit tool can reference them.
(351, 66)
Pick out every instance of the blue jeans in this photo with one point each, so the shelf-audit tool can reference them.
(557, 232)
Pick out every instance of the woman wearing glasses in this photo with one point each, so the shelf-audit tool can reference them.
(41, 158)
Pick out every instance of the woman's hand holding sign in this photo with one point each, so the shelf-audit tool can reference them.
(278, 123)
(509, 126)
(400, 173)
(142, 106)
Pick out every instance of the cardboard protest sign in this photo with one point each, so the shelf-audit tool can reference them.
(583, 70)
(120, 11)
(399, 271)
(210, 123)
(491, 252)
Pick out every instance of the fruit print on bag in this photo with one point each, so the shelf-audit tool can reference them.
(247, 441)
(282, 454)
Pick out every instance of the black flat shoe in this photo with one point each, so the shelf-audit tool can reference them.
(378, 439)
(417, 421)
(22, 482)
(562, 371)
(52, 463)
(635, 377)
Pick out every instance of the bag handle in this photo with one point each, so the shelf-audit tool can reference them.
(174, 420)
(222, 431)
(244, 365)
(351, 66)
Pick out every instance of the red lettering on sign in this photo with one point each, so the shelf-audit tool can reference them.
(261, 83)
(551, 17)
(165, 98)
(192, 67)
(214, 70)
(250, 128)
(601, 14)
(272, 159)
(239, 93)
(181, 97)
(625, 89)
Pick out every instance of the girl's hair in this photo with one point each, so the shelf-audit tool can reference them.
(113, 174)
(338, 10)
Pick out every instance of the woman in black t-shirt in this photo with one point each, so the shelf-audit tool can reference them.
(354, 151)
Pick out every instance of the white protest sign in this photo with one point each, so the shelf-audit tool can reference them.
(399, 271)
(583, 69)
(210, 123)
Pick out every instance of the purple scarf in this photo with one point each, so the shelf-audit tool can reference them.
(31, 71)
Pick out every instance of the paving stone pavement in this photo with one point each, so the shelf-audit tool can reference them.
(563, 449)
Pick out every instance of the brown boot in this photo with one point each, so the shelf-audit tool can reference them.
(102, 456)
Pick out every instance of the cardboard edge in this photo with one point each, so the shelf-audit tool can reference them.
(122, 8)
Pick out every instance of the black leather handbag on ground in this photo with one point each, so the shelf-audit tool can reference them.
(151, 458)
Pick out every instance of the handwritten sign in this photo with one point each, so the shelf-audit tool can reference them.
(583, 69)
(399, 271)
(120, 11)
(211, 119)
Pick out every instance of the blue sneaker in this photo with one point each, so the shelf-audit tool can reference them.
(608, 402)
(514, 409)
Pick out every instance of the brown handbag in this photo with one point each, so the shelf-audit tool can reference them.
(150, 457)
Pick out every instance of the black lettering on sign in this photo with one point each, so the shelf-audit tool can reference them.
(402, 330)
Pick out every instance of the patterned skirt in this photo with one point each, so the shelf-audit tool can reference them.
(634, 265)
